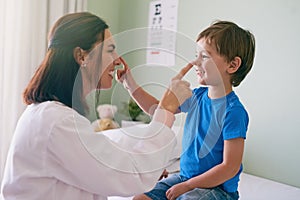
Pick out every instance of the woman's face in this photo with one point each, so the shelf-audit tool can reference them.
(99, 65)
(110, 59)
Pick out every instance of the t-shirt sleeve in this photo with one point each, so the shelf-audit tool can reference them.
(236, 124)
(185, 106)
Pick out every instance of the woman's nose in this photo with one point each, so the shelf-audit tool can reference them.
(117, 60)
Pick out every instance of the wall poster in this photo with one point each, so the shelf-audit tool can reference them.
(162, 27)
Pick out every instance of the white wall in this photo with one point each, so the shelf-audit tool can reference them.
(270, 92)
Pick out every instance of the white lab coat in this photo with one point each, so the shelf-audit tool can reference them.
(55, 155)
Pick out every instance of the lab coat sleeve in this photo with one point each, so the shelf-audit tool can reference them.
(127, 164)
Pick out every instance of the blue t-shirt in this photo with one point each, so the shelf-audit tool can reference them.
(208, 123)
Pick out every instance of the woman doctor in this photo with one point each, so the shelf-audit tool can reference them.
(54, 153)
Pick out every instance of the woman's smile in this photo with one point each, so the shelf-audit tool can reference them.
(111, 73)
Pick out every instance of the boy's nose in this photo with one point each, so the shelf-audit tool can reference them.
(196, 62)
(193, 62)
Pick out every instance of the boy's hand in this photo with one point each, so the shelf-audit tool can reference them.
(120, 73)
(177, 92)
(183, 72)
(177, 190)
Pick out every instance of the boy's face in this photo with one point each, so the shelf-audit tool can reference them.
(210, 66)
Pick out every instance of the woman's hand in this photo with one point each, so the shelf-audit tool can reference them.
(177, 92)
(165, 174)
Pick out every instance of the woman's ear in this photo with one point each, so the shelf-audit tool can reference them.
(78, 54)
(235, 64)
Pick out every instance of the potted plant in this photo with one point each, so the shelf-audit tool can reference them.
(135, 115)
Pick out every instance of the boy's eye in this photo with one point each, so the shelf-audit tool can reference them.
(204, 56)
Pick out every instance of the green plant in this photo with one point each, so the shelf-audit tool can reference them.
(132, 109)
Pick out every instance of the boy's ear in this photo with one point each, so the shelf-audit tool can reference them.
(235, 64)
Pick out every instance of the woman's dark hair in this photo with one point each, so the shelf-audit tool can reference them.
(55, 77)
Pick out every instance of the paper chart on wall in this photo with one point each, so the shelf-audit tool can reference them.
(161, 44)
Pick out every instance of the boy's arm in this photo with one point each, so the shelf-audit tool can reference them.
(146, 101)
(232, 159)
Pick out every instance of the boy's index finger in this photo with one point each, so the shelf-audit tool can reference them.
(125, 66)
(183, 71)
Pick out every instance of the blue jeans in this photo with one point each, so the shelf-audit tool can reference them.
(217, 193)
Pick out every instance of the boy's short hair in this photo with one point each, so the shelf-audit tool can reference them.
(230, 41)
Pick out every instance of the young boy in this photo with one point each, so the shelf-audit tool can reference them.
(216, 122)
